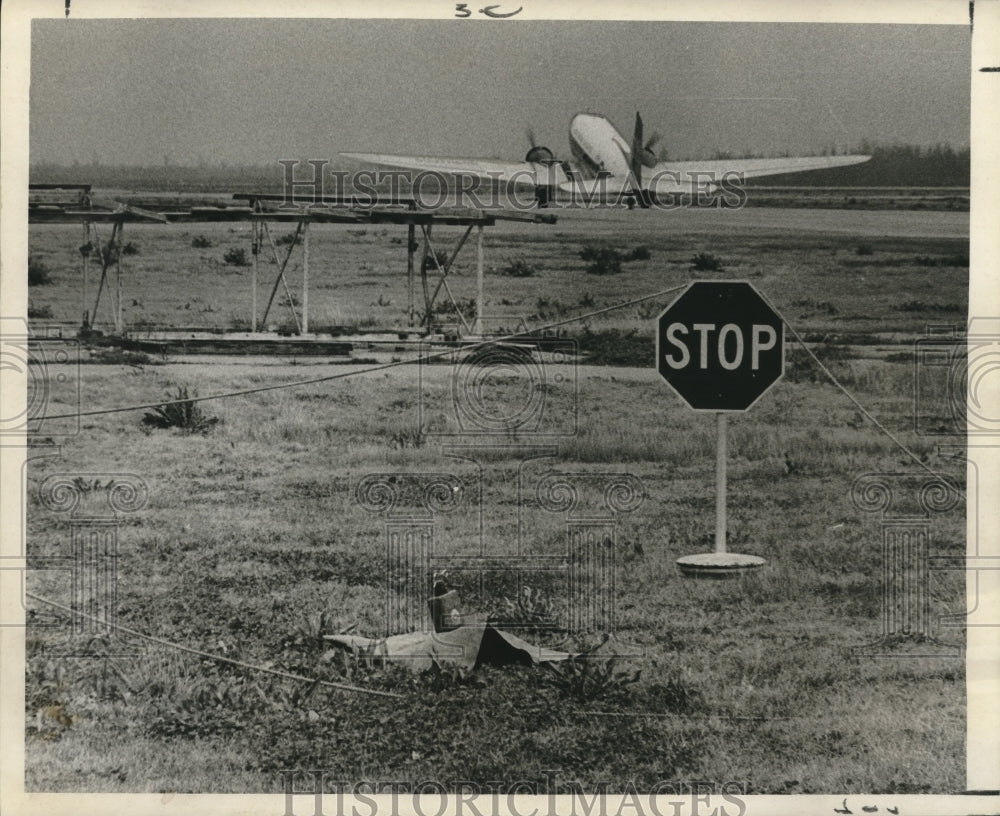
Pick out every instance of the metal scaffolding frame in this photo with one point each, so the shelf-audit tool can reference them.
(56, 203)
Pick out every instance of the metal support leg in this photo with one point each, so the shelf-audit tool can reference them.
(255, 250)
(119, 312)
(305, 276)
(479, 281)
(410, 241)
(86, 269)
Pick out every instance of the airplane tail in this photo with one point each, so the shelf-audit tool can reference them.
(636, 152)
(637, 158)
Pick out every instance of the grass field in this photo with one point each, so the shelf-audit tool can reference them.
(833, 271)
(253, 544)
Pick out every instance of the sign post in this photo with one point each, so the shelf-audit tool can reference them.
(720, 483)
(720, 346)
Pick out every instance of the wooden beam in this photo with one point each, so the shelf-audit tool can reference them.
(255, 250)
(410, 241)
(119, 317)
(479, 281)
(346, 202)
(305, 277)
(426, 232)
(86, 266)
(59, 196)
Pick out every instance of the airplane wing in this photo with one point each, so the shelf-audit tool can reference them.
(664, 178)
(667, 178)
(680, 172)
(494, 170)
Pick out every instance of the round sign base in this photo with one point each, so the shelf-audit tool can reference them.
(718, 565)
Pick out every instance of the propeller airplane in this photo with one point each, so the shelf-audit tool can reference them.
(605, 168)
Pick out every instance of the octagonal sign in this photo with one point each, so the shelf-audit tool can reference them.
(720, 345)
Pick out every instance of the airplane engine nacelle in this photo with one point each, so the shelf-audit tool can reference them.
(540, 155)
(648, 157)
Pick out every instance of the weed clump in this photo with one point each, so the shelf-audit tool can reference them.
(518, 268)
(110, 253)
(706, 262)
(618, 348)
(201, 242)
(675, 693)
(38, 273)
(603, 260)
(550, 308)
(236, 256)
(639, 253)
(428, 264)
(587, 678)
(446, 308)
(408, 438)
(181, 411)
(608, 260)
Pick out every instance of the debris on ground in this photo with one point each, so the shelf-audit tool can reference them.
(467, 647)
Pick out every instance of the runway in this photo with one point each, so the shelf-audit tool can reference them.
(689, 221)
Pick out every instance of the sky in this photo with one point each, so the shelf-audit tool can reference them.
(256, 91)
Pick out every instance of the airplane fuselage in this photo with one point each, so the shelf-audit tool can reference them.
(598, 148)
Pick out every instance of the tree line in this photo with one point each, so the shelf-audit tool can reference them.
(891, 165)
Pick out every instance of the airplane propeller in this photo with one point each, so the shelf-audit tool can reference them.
(648, 157)
(641, 155)
(538, 154)
(642, 152)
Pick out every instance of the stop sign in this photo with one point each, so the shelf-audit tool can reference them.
(720, 345)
